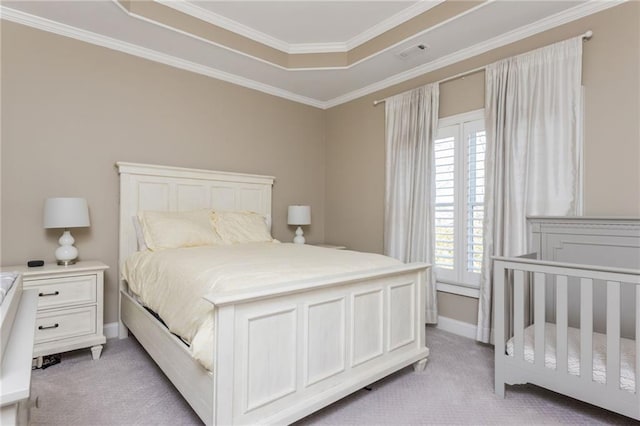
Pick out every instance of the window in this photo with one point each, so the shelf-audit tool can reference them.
(459, 152)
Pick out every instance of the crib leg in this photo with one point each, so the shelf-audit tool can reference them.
(500, 388)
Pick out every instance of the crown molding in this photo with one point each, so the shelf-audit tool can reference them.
(300, 48)
(226, 23)
(420, 34)
(330, 47)
(585, 9)
(196, 37)
(575, 13)
(399, 18)
(44, 24)
(368, 34)
(248, 32)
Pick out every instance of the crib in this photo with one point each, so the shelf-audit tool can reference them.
(572, 302)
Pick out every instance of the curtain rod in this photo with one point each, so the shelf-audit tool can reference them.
(585, 37)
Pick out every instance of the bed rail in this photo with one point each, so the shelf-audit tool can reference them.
(520, 300)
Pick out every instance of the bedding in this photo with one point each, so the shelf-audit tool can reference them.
(142, 246)
(627, 354)
(172, 282)
(165, 230)
(241, 227)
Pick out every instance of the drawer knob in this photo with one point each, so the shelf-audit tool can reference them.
(54, 293)
(46, 327)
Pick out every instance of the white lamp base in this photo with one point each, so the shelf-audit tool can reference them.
(66, 254)
(299, 238)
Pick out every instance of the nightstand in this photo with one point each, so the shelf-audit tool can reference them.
(70, 306)
(331, 246)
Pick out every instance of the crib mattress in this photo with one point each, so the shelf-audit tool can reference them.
(627, 354)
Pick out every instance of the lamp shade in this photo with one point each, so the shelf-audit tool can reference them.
(299, 215)
(66, 213)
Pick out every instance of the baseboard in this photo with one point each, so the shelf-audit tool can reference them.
(457, 327)
(110, 330)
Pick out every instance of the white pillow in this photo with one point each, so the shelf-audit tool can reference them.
(164, 230)
(241, 227)
(142, 246)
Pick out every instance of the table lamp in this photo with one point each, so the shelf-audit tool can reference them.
(66, 213)
(299, 215)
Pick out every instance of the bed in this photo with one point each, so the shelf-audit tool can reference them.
(280, 350)
(573, 302)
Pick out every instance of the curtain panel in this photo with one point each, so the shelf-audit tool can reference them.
(411, 124)
(533, 113)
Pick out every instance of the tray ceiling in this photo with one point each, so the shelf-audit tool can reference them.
(321, 53)
(316, 23)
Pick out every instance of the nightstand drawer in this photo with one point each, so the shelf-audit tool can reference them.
(62, 292)
(63, 324)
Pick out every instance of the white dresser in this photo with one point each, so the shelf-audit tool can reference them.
(70, 306)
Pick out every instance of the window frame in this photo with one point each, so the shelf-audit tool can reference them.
(459, 280)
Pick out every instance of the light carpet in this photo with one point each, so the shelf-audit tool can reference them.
(125, 387)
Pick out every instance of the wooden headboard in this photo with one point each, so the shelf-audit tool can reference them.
(165, 188)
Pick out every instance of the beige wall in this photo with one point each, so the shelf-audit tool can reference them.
(611, 75)
(70, 110)
(461, 308)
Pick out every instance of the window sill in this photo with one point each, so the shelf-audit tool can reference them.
(459, 289)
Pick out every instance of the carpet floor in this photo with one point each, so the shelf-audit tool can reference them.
(125, 387)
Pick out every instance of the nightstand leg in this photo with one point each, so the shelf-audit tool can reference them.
(39, 362)
(96, 351)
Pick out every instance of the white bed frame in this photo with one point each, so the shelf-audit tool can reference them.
(283, 352)
(604, 256)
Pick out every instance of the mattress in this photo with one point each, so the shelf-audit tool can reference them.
(173, 282)
(627, 354)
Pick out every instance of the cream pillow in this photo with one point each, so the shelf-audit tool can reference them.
(142, 246)
(241, 227)
(164, 230)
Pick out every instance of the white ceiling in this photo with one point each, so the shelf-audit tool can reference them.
(308, 21)
(487, 26)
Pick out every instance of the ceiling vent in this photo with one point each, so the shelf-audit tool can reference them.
(413, 51)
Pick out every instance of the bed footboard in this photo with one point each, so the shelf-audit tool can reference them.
(521, 287)
(283, 353)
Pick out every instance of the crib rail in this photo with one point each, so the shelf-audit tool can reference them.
(520, 299)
